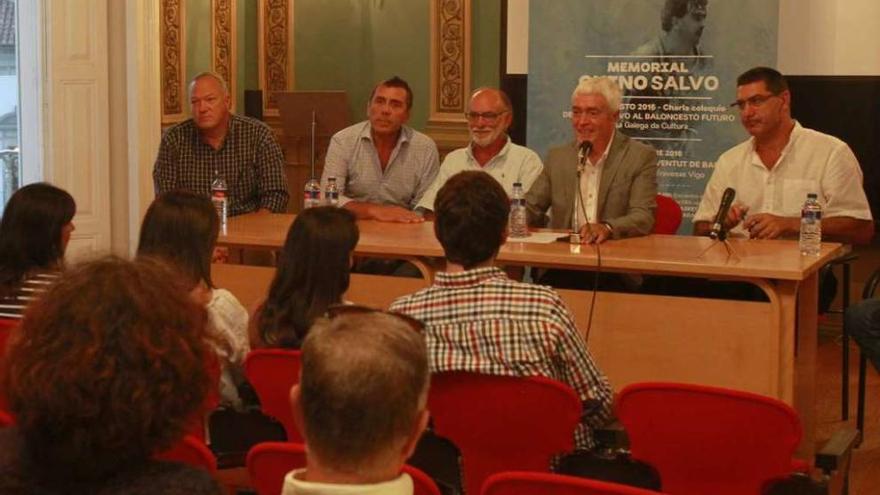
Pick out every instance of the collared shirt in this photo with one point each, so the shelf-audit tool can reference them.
(590, 178)
(353, 160)
(514, 163)
(32, 287)
(481, 321)
(293, 485)
(249, 160)
(811, 162)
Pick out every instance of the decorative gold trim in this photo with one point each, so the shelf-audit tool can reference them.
(450, 72)
(173, 61)
(223, 46)
(276, 53)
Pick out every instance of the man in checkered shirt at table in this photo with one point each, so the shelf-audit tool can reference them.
(477, 319)
(215, 142)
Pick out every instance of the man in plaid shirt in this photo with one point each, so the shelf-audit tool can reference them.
(477, 319)
(214, 142)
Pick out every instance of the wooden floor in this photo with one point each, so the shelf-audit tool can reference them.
(865, 472)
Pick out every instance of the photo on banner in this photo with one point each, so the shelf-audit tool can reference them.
(676, 62)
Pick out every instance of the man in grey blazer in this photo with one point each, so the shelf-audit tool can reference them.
(618, 183)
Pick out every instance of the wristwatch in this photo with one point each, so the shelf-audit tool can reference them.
(609, 227)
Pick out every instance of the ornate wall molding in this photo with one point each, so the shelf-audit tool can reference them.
(173, 61)
(450, 72)
(223, 46)
(276, 56)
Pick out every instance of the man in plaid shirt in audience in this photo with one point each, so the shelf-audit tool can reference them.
(217, 143)
(477, 319)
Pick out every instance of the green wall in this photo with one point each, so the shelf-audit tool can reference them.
(351, 45)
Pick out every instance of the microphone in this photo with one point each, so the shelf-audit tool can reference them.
(583, 152)
(718, 231)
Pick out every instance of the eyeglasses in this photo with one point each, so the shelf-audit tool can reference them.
(487, 116)
(335, 310)
(755, 101)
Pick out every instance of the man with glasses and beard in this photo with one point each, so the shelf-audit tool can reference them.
(774, 170)
(489, 115)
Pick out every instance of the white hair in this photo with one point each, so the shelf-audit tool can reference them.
(601, 85)
(212, 75)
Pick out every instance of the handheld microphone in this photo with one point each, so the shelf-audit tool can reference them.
(718, 231)
(583, 152)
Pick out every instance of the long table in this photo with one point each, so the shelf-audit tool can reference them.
(766, 348)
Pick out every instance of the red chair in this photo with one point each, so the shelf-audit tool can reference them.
(191, 451)
(273, 372)
(503, 423)
(268, 463)
(531, 483)
(709, 440)
(6, 419)
(667, 216)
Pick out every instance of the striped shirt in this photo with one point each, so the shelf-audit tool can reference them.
(249, 160)
(481, 321)
(14, 305)
(353, 160)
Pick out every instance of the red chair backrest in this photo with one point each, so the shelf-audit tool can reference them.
(708, 440)
(5, 419)
(192, 451)
(667, 216)
(503, 423)
(531, 483)
(269, 462)
(272, 372)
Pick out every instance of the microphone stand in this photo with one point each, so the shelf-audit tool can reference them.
(721, 238)
(312, 147)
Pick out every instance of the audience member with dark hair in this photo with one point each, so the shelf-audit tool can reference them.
(312, 274)
(361, 405)
(181, 227)
(478, 320)
(34, 232)
(104, 372)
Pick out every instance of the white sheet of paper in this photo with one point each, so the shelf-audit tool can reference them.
(537, 238)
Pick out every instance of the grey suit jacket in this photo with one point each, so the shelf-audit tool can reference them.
(627, 188)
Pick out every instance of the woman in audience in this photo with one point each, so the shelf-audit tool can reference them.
(181, 228)
(313, 273)
(34, 232)
(105, 371)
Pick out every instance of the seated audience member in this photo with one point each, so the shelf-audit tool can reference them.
(34, 232)
(181, 228)
(361, 405)
(382, 166)
(476, 319)
(863, 323)
(312, 274)
(489, 115)
(774, 170)
(618, 184)
(105, 371)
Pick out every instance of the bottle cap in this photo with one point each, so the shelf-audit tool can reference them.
(517, 184)
(812, 195)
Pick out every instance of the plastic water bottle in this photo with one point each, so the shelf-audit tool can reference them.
(331, 192)
(312, 193)
(517, 221)
(811, 226)
(220, 199)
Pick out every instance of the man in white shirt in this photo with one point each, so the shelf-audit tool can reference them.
(489, 115)
(361, 405)
(774, 170)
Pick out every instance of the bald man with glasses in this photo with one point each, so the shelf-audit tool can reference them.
(774, 170)
(489, 116)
